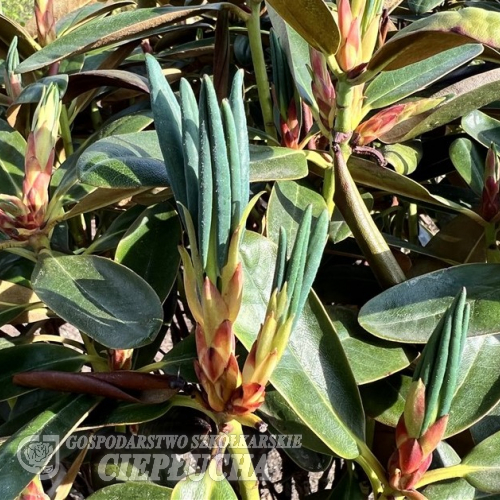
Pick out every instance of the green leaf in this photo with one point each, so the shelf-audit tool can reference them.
(423, 6)
(483, 128)
(452, 489)
(133, 491)
(124, 26)
(474, 23)
(384, 400)
(482, 465)
(104, 299)
(123, 162)
(203, 486)
(87, 13)
(392, 86)
(479, 369)
(287, 204)
(135, 159)
(312, 20)
(33, 93)
(277, 413)
(467, 95)
(110, 238)
(33, 357)
(372, 175)
(149, 247)
(370, 359)
(403, 157)
(409, 312)
(58, 421)
(297, 52)
(127, 414)
(469, 162)
(13, 147)
(316, 382)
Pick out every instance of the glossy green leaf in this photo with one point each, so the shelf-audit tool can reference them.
(37, 356)
(392, 86)
(13, 147)
(104, 299)
(133, 491)
(403, 157)
(467, 95)
(469, 163)
(287, 203)
(370, 359)
(203, 486)
(124, 161)
(312, 20)
(125, 26)
(409, 312)
(370, 174)
(317, 381)
(483, 128)
(149, 247)
(482, 465)
(58, 422)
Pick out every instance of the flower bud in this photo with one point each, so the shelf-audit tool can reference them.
(490, 201)
(45, 21)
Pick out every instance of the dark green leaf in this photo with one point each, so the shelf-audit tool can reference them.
(57, 422)
(13, 147)
(104, 299)
(33, 357)
(469, 163)
(482, 127)
(149, 247)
